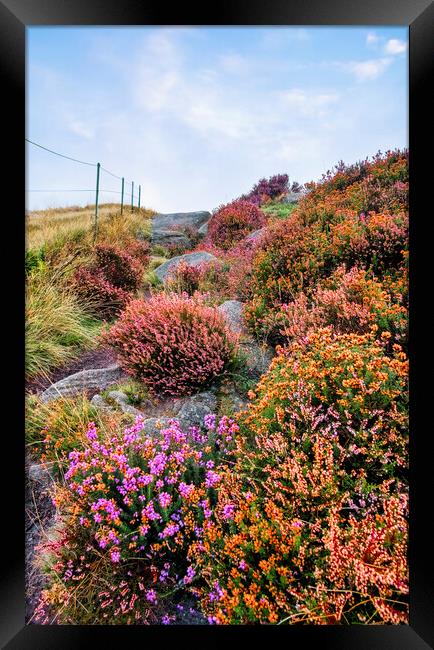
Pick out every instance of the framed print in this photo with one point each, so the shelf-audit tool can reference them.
(226, 333)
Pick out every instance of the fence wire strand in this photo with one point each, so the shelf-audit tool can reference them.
(82, 162)
(98, 190)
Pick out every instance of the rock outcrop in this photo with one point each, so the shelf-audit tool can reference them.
(180, 220)
(169, 237)
(93, 380)
(232, 311)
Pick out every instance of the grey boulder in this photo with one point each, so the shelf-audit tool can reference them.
(192, 259)
(294, 197)
(180, 219)
(153, 425)
(121, 400)
(99, 402)
(232, 311)
(165, 237)
(194, 409)
(39, 473)
(258, 358)
(86, 380)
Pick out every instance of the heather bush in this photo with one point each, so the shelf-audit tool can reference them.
(232, 222)
(131, 506)
(291, 554)
(140, 251)
(184, 278)
(290, 258)
(352, 374)
(109, 281)
(275, 187)
(389, 168)
(118, 266)
(228, 278)
(380, 185)
(174, 344)
(356, 217)
(350, 301)
(376, 241)
(305, 529)
(104, 299)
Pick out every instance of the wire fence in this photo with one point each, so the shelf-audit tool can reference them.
(99, 169)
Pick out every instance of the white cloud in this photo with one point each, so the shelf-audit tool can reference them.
(395, 46)
(194, 130)
(307, 103)
(372, 40)
(79, 128)
(367, 70)
(234, 63)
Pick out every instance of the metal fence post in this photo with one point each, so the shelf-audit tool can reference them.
(95, 232)
(122, 196)
(132, 196)
(140, 187)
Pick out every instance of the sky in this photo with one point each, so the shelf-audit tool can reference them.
(196, 116)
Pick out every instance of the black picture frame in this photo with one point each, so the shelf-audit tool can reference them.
(418, 15)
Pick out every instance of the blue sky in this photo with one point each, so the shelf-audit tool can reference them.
(197, 115)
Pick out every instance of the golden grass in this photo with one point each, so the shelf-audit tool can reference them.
(65, 421)
(55, 227)
(57, 325)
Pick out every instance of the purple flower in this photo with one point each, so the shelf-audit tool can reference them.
(169, 531)
(158, 463)
(185, 489)
(151, 596)
(91, 431)
(209, 421)
(115, 556)
(164, 499)
(212, 478)
(228, 511)
(189, 575)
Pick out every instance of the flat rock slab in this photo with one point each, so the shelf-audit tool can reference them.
(86, 380)
(189, 411)
(192, 259)
(179, 219)
(232, 311)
